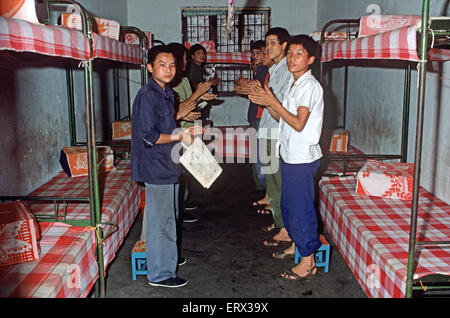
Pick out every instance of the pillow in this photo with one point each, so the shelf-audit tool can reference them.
(19, 9)
(209, 46)
(103, 27)
(374, 24)
(74, 160)
(19, 234)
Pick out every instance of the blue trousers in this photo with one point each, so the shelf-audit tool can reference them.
(297, 205)
(161, 209)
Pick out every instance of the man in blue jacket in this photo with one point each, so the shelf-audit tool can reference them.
(153, 136)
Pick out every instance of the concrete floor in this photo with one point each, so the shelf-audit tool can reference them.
(225, 255)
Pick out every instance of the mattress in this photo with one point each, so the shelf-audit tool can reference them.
(66, 266)
(372, 235)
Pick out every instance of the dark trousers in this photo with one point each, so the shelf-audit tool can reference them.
(297, 205)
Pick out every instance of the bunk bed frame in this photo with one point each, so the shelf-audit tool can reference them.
(426, 32)
(355, 157)
(424, 41)
(93, 199)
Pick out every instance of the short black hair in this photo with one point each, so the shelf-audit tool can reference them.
(195, 48)
(178, 50)
(307, 42)
(281, 33)
(257, 45)
(154, 51)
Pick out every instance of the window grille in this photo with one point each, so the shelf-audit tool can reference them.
(209, 24)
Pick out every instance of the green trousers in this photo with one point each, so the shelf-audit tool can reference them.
(273, 181)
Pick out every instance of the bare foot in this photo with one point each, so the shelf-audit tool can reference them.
(306, 267)
(263, 201)
(282, 235)
(264, 209)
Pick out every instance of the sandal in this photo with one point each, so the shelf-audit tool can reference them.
(257, 203)
(282, 255)
(263, 209)
(290, 275)
(269, 228)
(272, 242)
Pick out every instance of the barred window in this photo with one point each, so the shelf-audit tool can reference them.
(209, 24)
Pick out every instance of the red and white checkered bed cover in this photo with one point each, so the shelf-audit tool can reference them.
(119, 195)
(66, 267)
(111, 49)
(232, 141)
(372, 234)
(229, 57)
(399, 44)
(22, 36)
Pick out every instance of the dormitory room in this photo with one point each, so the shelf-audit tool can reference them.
(225, 149)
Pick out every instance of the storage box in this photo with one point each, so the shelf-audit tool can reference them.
(19, 234)
(339, 140)
(103, 27)
(74, 160)
(132, 38)
(121, 130)
(386, 179)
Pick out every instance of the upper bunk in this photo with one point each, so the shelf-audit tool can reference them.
(59, 41)
(385, 37)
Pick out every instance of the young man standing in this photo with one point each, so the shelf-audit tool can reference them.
(153, 136)
(301, 120)
(276, 42)
(242, 87)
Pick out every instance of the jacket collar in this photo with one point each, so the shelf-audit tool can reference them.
(167, 93)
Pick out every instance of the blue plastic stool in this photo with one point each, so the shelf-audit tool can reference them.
(139, 259)
(322, 256)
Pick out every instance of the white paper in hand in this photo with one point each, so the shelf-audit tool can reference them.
(199, 161)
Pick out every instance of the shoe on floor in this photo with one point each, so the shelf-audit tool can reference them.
(189, 218)
(181, 261)
(172, 282)
(190, 205)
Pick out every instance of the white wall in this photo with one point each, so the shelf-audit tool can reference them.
(163, 19)
(376, 92)
(34, 111)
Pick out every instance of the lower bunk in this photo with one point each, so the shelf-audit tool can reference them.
(372, 235)
(120, 199)
(66, 266)
(349, 162)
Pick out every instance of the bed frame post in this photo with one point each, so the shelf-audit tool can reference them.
(71, 105)
(423, 50)
(406, 107)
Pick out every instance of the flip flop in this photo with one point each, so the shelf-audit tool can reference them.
(272, 242)
(290, 275)
(256, 204)
(263, 210)
(282, 255)
(269, 228)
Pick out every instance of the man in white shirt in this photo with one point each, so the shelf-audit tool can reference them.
(276, 42)
(300, 125)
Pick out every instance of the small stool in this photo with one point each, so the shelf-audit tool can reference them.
(322, 256)
(138, 259)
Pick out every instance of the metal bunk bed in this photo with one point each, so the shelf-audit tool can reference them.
(353, 160)
(116, 144)
(427, 29)
(342, 209)
(85, 52)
